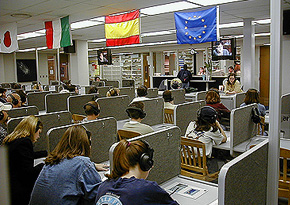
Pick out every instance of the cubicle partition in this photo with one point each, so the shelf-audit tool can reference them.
(152, 93)
(114, 106)
(4, 179)
(200, 95)
(178, 95)
(49, 121)
(103, 90)
(37, 99)
(154, 109)
(104, 134)
(130, 91)
(243, 180)
(76, 103)
(113, 83)
(56, 102)
(239, 99)
(128, 83)
(285, 115)
(23, 111)
(185, 113)
(166, 166)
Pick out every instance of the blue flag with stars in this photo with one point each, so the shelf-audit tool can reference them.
(196, 27)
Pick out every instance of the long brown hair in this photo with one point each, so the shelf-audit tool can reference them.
(26, 128)
(126, 155)
(231, 74)
(252, 96)
(212, 97)
(74, 142)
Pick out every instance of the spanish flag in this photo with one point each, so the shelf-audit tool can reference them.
(123, 29)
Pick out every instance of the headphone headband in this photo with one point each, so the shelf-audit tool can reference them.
(146, 159)
(14, 100)
(210, 116)
(95, 108)
(142, 112)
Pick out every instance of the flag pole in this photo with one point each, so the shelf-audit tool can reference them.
(37, 66)
(218, 22)
(58, 67)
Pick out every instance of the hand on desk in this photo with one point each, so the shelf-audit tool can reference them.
(222, 131)
(102, 167)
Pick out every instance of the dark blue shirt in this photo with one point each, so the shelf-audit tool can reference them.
(132, 191)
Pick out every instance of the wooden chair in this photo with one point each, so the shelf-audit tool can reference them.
(169, 116)
(193, 161)
(125, 134)
(77, 118)
(284, 180)
(261, 126)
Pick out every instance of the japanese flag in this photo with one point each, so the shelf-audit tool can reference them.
(8, 38)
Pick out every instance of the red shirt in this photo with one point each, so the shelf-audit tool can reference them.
(222, 110)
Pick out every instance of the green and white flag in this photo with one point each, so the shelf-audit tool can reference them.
(58, 33)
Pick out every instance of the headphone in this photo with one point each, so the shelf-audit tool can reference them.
(145, 88)
(210, 119)
(113, 92)
(255, 116)
(146, 159)
(37, 126)
(142, 112)
(14, 100)
(95, 108)
(1, 115)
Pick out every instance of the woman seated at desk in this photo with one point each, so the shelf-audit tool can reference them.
(232, 86)
(252, 96)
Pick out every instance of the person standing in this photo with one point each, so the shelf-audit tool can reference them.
(185, 76)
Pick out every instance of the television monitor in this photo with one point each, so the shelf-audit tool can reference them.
(224, 49)
(104, 57)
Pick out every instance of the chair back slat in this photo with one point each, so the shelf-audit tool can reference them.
(169, 116)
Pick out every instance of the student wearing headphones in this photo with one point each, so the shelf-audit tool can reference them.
(127, 184)
(3, 120)
(206, 129)
(168, 100)
(142, 92)
(22, 171)
(92, 110)
(15, 100)
(69, 176)
(136, 112)
(113, 92)
(3, 95)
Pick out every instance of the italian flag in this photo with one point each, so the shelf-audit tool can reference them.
(58, 33)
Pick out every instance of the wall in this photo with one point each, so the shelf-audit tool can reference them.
(285, 64)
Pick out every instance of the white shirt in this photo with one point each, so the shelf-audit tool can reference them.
(137, 127)
(137, 99)
(209, 138)
(168, 105)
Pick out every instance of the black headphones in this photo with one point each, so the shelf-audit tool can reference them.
(145, 88)
(256, 116)
(208, 118)
(1, 115)
(14, 100)
(37, 126)
(142, 112)
(89, 134)
(146, 159)
(95, 108)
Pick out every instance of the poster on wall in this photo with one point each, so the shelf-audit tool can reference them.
(26, 70)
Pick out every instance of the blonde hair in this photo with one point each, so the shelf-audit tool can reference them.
(26, 128)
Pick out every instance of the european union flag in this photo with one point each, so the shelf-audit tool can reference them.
(196, 27)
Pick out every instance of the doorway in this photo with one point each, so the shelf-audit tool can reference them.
(264, 75)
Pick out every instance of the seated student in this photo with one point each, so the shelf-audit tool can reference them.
(3, 120)
(176, 83)
(252, 96)
(232, 86)
(22, 171)
(206, 129)
(168, 100)
(3, 95)
(213, 99)
(15, 100)
(69, 176)
(113, 92)
(141, 94)
(23, 97)
(92, 110)
(127, 184)
(137, 114)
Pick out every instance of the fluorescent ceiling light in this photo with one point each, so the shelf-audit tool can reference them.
(97, 40)
(158, 33)
(263, 21)
(41, 48)
(84, 24)
(211, 2)
(31, 34)
(165, 8)
(262, 34)
(231, 25)
(26, 50)
(144, 44)
(101, 19)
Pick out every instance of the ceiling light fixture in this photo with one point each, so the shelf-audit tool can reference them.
(19, 15)
(158, 33)
(31, 34)
(211, 2)
(165, 8)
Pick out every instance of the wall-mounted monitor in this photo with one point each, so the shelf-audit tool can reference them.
(224, 49)
(104, 57)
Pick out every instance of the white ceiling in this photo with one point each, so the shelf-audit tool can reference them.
(45, 10)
